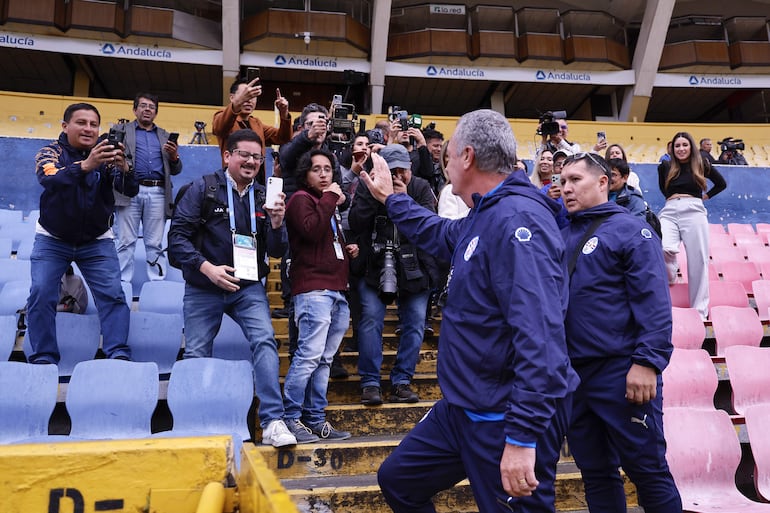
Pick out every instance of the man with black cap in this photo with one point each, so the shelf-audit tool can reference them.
(394, 268)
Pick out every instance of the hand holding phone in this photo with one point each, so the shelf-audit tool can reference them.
(274, 190)
(252, 74)
(173, 137)
(555, 180)
(601, 136)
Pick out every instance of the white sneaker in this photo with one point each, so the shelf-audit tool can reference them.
(277, 434)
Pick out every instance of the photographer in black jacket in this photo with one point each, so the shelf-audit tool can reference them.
(394, 268)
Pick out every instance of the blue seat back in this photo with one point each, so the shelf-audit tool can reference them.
(162, 297)
(27, 399)
(78, 338)
(230, 343)
(155, 337)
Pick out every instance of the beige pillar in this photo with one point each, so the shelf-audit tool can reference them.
(380, 29)
(231, 45)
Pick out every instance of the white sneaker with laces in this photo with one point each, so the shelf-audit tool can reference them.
(277, 434)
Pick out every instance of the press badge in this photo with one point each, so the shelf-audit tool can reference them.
(338, 251)
(245, 257)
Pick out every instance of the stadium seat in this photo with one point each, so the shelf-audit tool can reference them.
(27, 399)
(727, 293)
(757, 420)
(688, 329)
(161, 297)
(17, 232)
(33, 216)
(6, 247)
(78, 337)
(735, 326)
(13, 269)
(112, 399)
(761, 290)
(13, 296)
(230, 343)
(720, 240)
(209, 395)
(742, 272)
(747, 239)
(716, 229)
(139, 277)
(763, 227)
(749, 379)
(24, 251)
(689, 379)
(8, 324)
(680, 295)
(735, 228)
(722, 254)
(764, 270)
(174, 274)
(758, 254)
(155, 337)
(713, 272)
(703, 453)
(8, 216)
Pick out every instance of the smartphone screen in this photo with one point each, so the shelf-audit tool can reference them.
(274, 188)
(173, 137)
(252, 74)
(601, 136)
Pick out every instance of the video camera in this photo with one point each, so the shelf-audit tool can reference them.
(385, 242)
(730, 144)
(547, 125)
(375, 136)
(343, 125)
(396, 113)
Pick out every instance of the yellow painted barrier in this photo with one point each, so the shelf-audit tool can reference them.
(212, 499)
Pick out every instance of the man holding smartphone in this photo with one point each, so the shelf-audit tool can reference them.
(153, 154)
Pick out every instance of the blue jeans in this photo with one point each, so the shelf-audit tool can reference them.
(411, 312)
(248, 307)
(98, 263)
(322, 318)
(147, 207)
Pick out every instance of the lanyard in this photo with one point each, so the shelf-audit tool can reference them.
(252, 209)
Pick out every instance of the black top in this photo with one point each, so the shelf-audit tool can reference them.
(686, 184)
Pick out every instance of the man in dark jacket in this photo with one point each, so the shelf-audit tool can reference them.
(503, 366)
(413, 274)
(78, 174)
(221, 244)
(622, 193)
(619, 340)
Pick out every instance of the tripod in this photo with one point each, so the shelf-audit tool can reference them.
(199, 137)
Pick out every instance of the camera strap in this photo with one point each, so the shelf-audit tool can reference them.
(587, 235)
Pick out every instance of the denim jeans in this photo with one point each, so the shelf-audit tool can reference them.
(248, 307)
(411, 312)
(147, 207)
(322, 318)
(98, 262)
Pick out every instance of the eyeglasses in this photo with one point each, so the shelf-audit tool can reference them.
(245, 155)
(590, 156)
(564, 127)
(149, 106)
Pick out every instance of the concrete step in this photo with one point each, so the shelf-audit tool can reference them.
(389, 340)
(354, 494)
(348, 391)
(281, 326)
(426, 362)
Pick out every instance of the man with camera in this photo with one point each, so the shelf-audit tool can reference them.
(78, 173)
(394, 269)
(237, 115)
(406, 130)
(731, 152)
(553, 128)
(154, 155)
(705, 150)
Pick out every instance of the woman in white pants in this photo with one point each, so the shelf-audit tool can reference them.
(683, 219)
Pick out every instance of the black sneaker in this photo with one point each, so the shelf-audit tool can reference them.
(280, 313)
(327, 432)
(402, 393)
(337, 370)
(429, 332)
(300, 431)
(371, 396)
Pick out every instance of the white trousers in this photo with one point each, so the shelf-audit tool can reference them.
(684, 220)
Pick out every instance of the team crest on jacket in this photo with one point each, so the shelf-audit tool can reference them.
(590, 245)
(471, 248)
(522, 234)
(646, 233)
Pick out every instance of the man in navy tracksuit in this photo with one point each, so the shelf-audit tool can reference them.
(503, 366)
(619, 339)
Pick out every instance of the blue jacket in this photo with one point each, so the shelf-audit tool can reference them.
(632, 199)
(212, 228)
(502, 334)
(619, 304)
(77, 207)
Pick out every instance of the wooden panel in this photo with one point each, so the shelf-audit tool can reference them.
(409, 44)
(91, 15)
(694, 52)
(286, 23)
(618, 54)
(677, 54)
(493, 44)
(30, 11)
(357, 34)
(540, 46)
(326, 25)
(449, 42)
(254, 27)
(148, 21)
(585, 48)
(749, 53)
(712, 52)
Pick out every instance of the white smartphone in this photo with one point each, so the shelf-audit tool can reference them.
(556, 180)
(600, 136)
(274, 188)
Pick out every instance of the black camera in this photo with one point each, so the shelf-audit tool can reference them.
(200, 125)
(116, 135)
(385, 242)
(730, 144)
(375, 136)
(548, 126)
(405, 120)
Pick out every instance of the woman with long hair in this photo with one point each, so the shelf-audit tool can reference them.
(683, 219)
(543, 171)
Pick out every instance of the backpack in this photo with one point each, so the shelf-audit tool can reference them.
(73, 296)
(207, 208)
(653, 221)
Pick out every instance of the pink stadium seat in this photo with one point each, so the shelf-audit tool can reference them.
(680, 296)
(761, 290)
(721, 254)
(743, 272)
(703, 454)
(734, 326)
(758, 254)
(764, 270)
(749, 379)
(757, 420)
(727, 293)
(716, 229)
(720, 240)
(744, 241)
(713, 272)
(763, 227)
(734, 228)
(681, 259)
(689, 379)
(688, 329)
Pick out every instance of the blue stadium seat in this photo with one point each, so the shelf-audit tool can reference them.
(6, 247)
(155, 337)
(18, 232)
(13, 296)
(230, 343)
(139, 277)
(24, 251)
(162, 297)
(78, 337)
(12, 269)
(209, 395)
(8, 324)
(27, 399)
(109, 399)
(8, 216)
